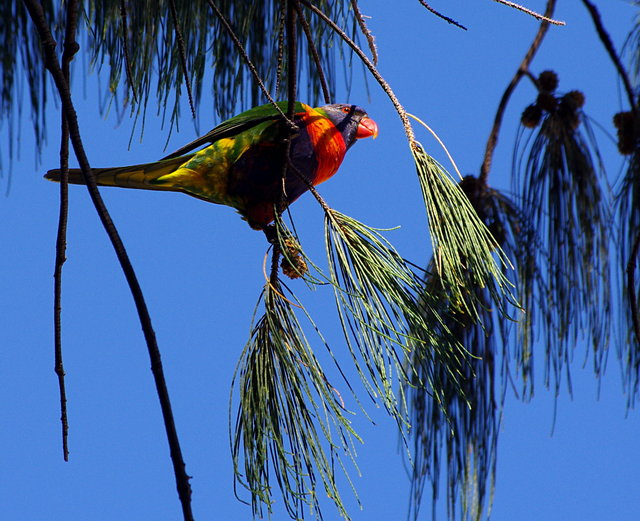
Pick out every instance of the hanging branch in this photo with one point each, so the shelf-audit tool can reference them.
(70, 48)
(183, 56)
(50, 62)
(248, 62)
(544, 18)
(440, 15)
(125, 47)
(523, 69)
(631, 281)
(608, 45)
(365, 30)
(314, 52)
(372, 69)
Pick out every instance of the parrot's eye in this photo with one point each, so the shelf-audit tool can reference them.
(346, 110)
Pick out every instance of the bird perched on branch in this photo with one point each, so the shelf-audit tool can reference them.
(242, 165)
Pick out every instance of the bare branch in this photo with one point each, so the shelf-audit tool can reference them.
(125, 46)
(365, 30)
(523, 69)
(440, 15)
(372, 68)
(247, 60)
(631, 287)
(543, 18)
(70, 48)
(183, 56)
(51, 64)
(314, 53)
(608, 45)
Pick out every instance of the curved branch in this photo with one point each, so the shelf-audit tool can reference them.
(523, 69)
(631, 285)
(372, 68)
(314, 52)
(183, 57)
(440, 15)
(50, 61)
(544, 18)
(365, 30)
(70, 48)
(608, 45)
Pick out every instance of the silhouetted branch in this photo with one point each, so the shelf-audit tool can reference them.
(608, 45)
(125, 47)
(51, 64)
(523, 69)
(440, 15)
(247, 60)
(631, 285)
(372, 68)
(183, 56)
(314, 53)
(365, 30)
(70, 48)
(544, 18)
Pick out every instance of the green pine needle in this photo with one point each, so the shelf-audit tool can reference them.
(464, 250)
(291, 425)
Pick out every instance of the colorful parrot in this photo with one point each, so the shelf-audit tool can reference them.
(242, 166)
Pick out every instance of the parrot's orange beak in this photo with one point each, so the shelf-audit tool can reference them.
(367, 128)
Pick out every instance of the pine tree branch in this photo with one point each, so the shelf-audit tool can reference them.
(51, 64)
(543, 18)
(314, 53)
(523, 69)
(372, 68)
(125, 47)
(183, 56)
(365, 30)
(440, 15)
(608, 45)
(631, 285)
(70, 48)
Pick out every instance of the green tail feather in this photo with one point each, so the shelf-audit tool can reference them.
(135, 176)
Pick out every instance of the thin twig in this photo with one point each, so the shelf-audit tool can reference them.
(543, 18)
(183, 56)
(70, 48)
(314, 52)
(608, 45)
(365, 30)
(37, 16)
(631, 287)
(227, 26)
(440, 15)
(125, 45)
(281, 25)
(523, 69)
(372, 68)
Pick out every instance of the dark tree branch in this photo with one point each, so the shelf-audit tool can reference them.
(314, 52)
(372, 69)
(440, 15)
(247, 60)
(631, 287)
(523, 69)
(543, 18)
(365, 30)
(70, 48)
(125, 46)
(36, 14)
(183, 56)
(608, 45)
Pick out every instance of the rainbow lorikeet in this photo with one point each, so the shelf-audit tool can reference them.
(242, 165)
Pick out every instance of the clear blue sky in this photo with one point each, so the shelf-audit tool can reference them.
(201, 269)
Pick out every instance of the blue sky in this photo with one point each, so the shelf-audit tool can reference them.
(200, 267)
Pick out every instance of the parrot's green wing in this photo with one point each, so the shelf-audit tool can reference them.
(238, 124)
